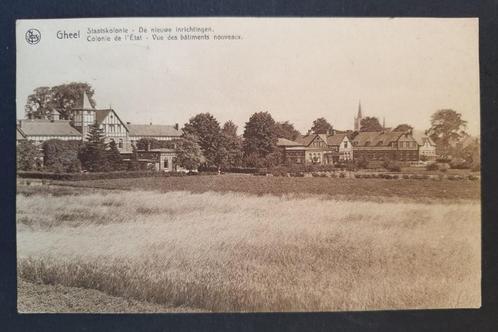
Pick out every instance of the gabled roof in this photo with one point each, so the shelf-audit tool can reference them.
(335, 139)
(100, 115)
(286, 142)
(153, 130)
(376, 138)
(40, 127)
(421, 137)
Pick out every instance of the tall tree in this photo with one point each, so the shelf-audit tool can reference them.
(62, 98)
(207, 129)
(286, 130)
(446, 126)
(229, 128)
(260, 138)
(370, 123)
(114, 157)
(93, 156)
(188, 152)
(321, 126)
(403, 127)
(230, 152)
(28, 156)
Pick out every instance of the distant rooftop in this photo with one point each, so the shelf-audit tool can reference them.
(153, 130)
(41, 127)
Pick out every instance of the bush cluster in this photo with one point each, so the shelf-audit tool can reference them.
(391, 166)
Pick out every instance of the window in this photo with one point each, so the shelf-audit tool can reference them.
(166, 164)
(120, 144)
(345, 144)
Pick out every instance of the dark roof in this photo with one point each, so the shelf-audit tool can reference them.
(47, 128)
(329, 139)
(335, 139)
(376, 138)
(153, 130)
(286, 142)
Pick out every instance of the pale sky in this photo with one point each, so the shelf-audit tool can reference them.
(297, 69)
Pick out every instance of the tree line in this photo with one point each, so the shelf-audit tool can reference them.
(204, 141)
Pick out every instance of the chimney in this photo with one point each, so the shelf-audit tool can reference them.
(309, 132)
(128, 122)
(176, 126)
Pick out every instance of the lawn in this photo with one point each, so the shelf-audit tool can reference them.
(234, 251)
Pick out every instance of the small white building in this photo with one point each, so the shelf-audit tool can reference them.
(426, 146)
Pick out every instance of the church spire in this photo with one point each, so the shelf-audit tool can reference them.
(359, 109)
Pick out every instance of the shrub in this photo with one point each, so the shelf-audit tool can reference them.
(443, 167)
(362, 162)
(342, 175)
(61, 156)
(473, 177)
(391, 166)
(406, 176)
(28, 156)
(432, 167)
(357, 176)
(395, 176)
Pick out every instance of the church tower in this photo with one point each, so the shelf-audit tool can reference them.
(358, 118)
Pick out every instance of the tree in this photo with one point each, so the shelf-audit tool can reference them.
(207, 130)
(61, 156)
(62, 98)
(286, 130)
(403, 127)
(321, 126)
(148, 144)
(229, 152)
(28, 156)
(114, 157)
(229, 128)
(370, 123)
(93, 156)
(260, 138)
(447, 126)
(188, 152)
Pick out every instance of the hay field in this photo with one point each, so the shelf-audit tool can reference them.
(239, 252)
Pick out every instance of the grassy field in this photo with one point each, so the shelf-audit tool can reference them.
(232, 251)
(373, 189)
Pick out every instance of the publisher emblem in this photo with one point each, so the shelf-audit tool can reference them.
(33, 36)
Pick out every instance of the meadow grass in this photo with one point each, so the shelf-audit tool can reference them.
(240, 252)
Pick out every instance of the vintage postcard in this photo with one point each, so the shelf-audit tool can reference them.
(248, 164)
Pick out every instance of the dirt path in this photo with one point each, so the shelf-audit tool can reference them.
(37, 298)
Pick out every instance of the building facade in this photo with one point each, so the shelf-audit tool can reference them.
(319, 149)
(384, 145)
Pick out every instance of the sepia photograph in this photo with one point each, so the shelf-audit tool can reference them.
(200, 165)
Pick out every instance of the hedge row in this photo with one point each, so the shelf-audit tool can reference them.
(94, 176)
(415, 176)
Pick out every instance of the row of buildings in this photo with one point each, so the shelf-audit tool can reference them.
(373, 146)
(306, 149)
(124, 134)
(337, 146)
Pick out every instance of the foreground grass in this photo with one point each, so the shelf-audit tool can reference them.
(58, 298)
(413, 190)
(235, 252)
